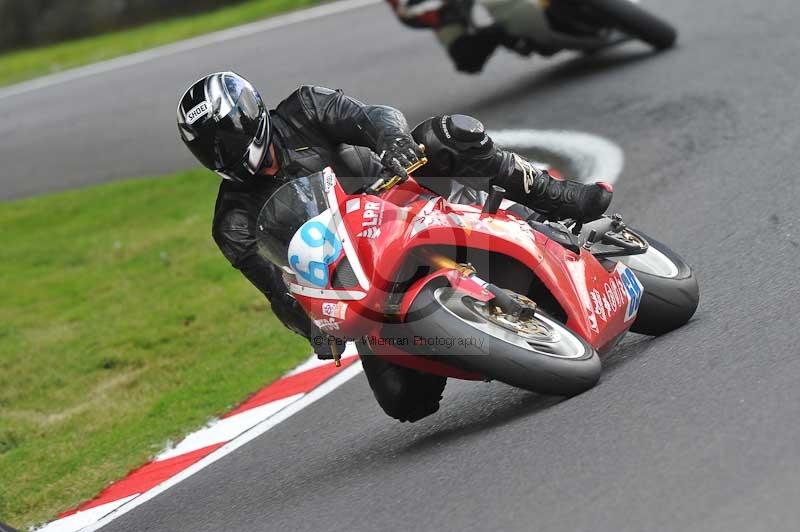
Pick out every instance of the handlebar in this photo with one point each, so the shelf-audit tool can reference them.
(382, 184)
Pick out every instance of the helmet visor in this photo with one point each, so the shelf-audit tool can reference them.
(245, 126)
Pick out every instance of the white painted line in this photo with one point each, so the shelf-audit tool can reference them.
(311, 397)
(280, 21)
(79, 520)
(598, 158)
(228, 428)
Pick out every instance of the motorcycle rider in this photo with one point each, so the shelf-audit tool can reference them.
(225, 124)
(469, 48)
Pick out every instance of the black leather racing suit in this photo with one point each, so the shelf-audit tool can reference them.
(317, 127)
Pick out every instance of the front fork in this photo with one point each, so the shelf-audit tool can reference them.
(464, 277)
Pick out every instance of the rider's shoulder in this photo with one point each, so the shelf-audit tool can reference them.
(315, 91)
(307, 97)
(312, 95)
(320, 90)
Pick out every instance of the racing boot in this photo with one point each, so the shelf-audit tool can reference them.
(557, 199)
(458, 146)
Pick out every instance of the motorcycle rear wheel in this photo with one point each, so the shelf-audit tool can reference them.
(671, 293)
(637, 22)
(546, 358)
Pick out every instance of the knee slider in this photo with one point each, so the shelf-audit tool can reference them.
(453, 141)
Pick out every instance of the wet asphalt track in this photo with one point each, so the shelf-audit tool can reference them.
(697, 430)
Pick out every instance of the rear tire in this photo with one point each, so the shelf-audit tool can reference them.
(670, 298)
(440, 312)
(632, 19)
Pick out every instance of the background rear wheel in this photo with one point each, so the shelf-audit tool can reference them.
(540, 355)
(634, 20)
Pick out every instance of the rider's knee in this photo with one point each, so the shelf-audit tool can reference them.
(403, 393)
(457, 145)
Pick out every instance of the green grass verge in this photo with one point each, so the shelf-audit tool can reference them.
(26, 64)
(121, 327)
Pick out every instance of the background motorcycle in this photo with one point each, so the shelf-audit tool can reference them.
(549, 26)
(414, 278)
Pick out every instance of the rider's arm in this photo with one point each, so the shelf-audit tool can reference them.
(233, 231)
(342, 119)
(269, 280)
(239, 248)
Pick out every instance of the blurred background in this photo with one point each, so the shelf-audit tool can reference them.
(25, 23)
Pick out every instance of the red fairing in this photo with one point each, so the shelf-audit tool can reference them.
(370, 288)
(594, 299)
(454, 278)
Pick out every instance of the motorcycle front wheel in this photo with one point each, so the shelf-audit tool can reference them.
(538, 354)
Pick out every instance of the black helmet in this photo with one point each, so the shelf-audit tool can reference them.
(224, 122)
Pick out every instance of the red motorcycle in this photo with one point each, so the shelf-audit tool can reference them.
(475, 289)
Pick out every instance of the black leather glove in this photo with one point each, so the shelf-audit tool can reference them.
(322, 346)
(398, 152)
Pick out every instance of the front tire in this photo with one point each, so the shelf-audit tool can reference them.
(556, 362)
(632, 19)
(671, 293)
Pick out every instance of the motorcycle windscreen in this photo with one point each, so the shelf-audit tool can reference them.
(285, 212)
